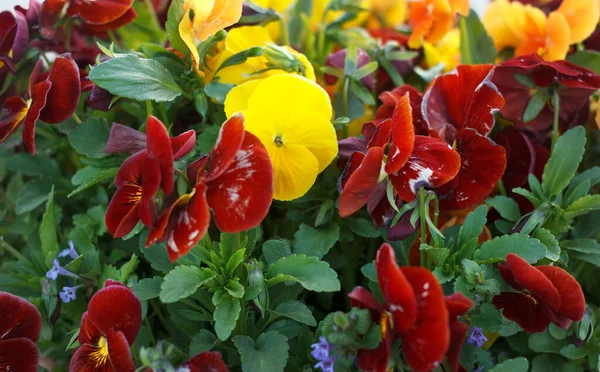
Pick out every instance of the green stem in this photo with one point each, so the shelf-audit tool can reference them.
(160, 316)
(16, 254)
(556, 104)
(345, 102)
(155, 20)
(76, 118)
(436, 211)
(285, 35)
(423, 223)
(501, 188)
(163, 114)
(322, 35)
(207, 242)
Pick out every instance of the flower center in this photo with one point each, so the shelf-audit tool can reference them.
(278, 141)
(385, 320)
(100, 355)
(531, 298)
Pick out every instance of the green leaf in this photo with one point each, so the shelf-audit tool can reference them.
(240, 57)
(31, 165)
(473, 225)
(552, 363)
(370, 272)
(235, 289)
(174, 17)
(156, 254)
(133, 77)
(492, 251)
(548, 239)
(316, 242)
(507, 207)
(535, 105)
(543, 342)
(217, 91)
(297, 311)
(269, 353)
(584, 205)
(489, 318)
(89, 138)
(587, 246)
(476, 47)
(586, 58)
(226, 315)
(48, 235)
(32, 195)
(512, 365)
(592, 175)
(235, 260)
(311, 273)
(565, 159)
(363, 227)
(90, 176)
(182, 282)
(205, 340)
(147, 289)
(573, 352)
(276, 249)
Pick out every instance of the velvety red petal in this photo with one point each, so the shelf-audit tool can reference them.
(7, 31)
(208, 361)
(521, 308)
(196, 169)
(50, 14)
(83, 360)
(226, 148)
(375, 360)
(362, 183)
(432, 164)
(21, 41)
(458, 333)
(119, 352)
(508, 276)
(159, 231)
(379, 206)
(482, 165)
(520, 155)
(353, 163)
(37, 76)
(396, 289)
(572, 300)
(362, 298)
(63, 97)
(457, 305)
(123, 20)
(38, 102)
(15, 110)
(382, 134)
(88, 333)
(403, 136)
(426, 343)
(183, 143)
(124, 139)
(99, 12)
(534, 281)
(241, 195)
(116, 308)
(18, 318)
(19, 355)
(159, 148)
(150, 185)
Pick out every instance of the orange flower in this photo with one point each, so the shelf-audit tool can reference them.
(582, 17)
(432, 19)
(204, 18)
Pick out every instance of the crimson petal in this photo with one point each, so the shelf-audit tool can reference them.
(63, 97)
(7, 31)
(241, 195)
(520, 307)
(38, 102)
(520, 155)
(458, 333)
(226, 148)
(18, 318)
(99, 12)
(183, 143)
(457, 305)
(375, 360)
(119, 351)
(403, 136)
(116, 308)
(19, 355)
(432, 163)
(382, 134)
(572, 300)
(206, 361)
(534, 280)
(362, 298)
(50, 14)
(15, 109)
(123, 20)
(159, 148)
(362, 183)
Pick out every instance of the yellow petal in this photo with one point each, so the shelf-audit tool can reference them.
(243, 38)
(496, 24)
(309, 70)
(557, 37)
(295, 170)
(224, 13)
(186, 31)
(286, 95)
(582, 17)
(237, 98)
(261, 126)
(314, 132)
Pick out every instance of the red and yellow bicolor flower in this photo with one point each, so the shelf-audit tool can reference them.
(52, 97)
(431, 20)
(108, 328)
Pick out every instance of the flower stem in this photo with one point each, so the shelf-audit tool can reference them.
(16, 254)
(76, 118)
(422, 221)
(556, 104)
(345, 102)
(501, 188)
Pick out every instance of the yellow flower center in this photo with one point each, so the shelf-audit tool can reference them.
(100, 355)
(386, 319)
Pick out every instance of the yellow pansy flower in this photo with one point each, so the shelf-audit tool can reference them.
(204, 18)
(291, 116)
(244, 38)
(281, 7)
(446, 51)
(387, 13)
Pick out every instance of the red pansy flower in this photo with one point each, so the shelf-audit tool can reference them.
(390, 99)
(575, 85)
(412, 161)
(142, 174)
(52, 98)
(459, 108)
(237, 187)
(20, 325)
(414, 311)
(543, 295)
(14, 39)
(208, 361)
(107, 329)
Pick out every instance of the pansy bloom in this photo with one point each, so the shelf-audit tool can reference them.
(291, 117)
(431, 20)
(52, 98)
(20, 325)
(14, 38)
(414, 311)
(459, 108)
(520, 78)
(542, 295)
(412, 161)
(142, 174)
(107, 330)
(237, 187)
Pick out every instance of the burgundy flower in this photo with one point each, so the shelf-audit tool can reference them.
(208, 361)
(20, 325)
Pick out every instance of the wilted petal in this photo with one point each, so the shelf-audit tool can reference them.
(362, 182)
(100, 99)
(21, 40)
(63, 97)
(403, 228)
(349, 145)
(124, 139)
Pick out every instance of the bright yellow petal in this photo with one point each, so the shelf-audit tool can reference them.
(496, 24)
(314, 132)
(397, 14)
(582, 17)
(186, 31)
(224, 13)
(243, 38)
(295, 170)
(309, 70)
(261, 126)
(557, 37)
(284, 96)
(460, 6)
(237, 98)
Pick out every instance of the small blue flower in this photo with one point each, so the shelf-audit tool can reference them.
(320, 349)
(57, 270)
(477, 337)
(68, 294)
(71, 252)
(478, 369)
(326, 365)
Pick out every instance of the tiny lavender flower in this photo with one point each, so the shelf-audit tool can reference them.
(71, 252)
(68, 294)
(326, 365)
(57, 270)
(477, 337)
(320, 349)
(478, 369)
